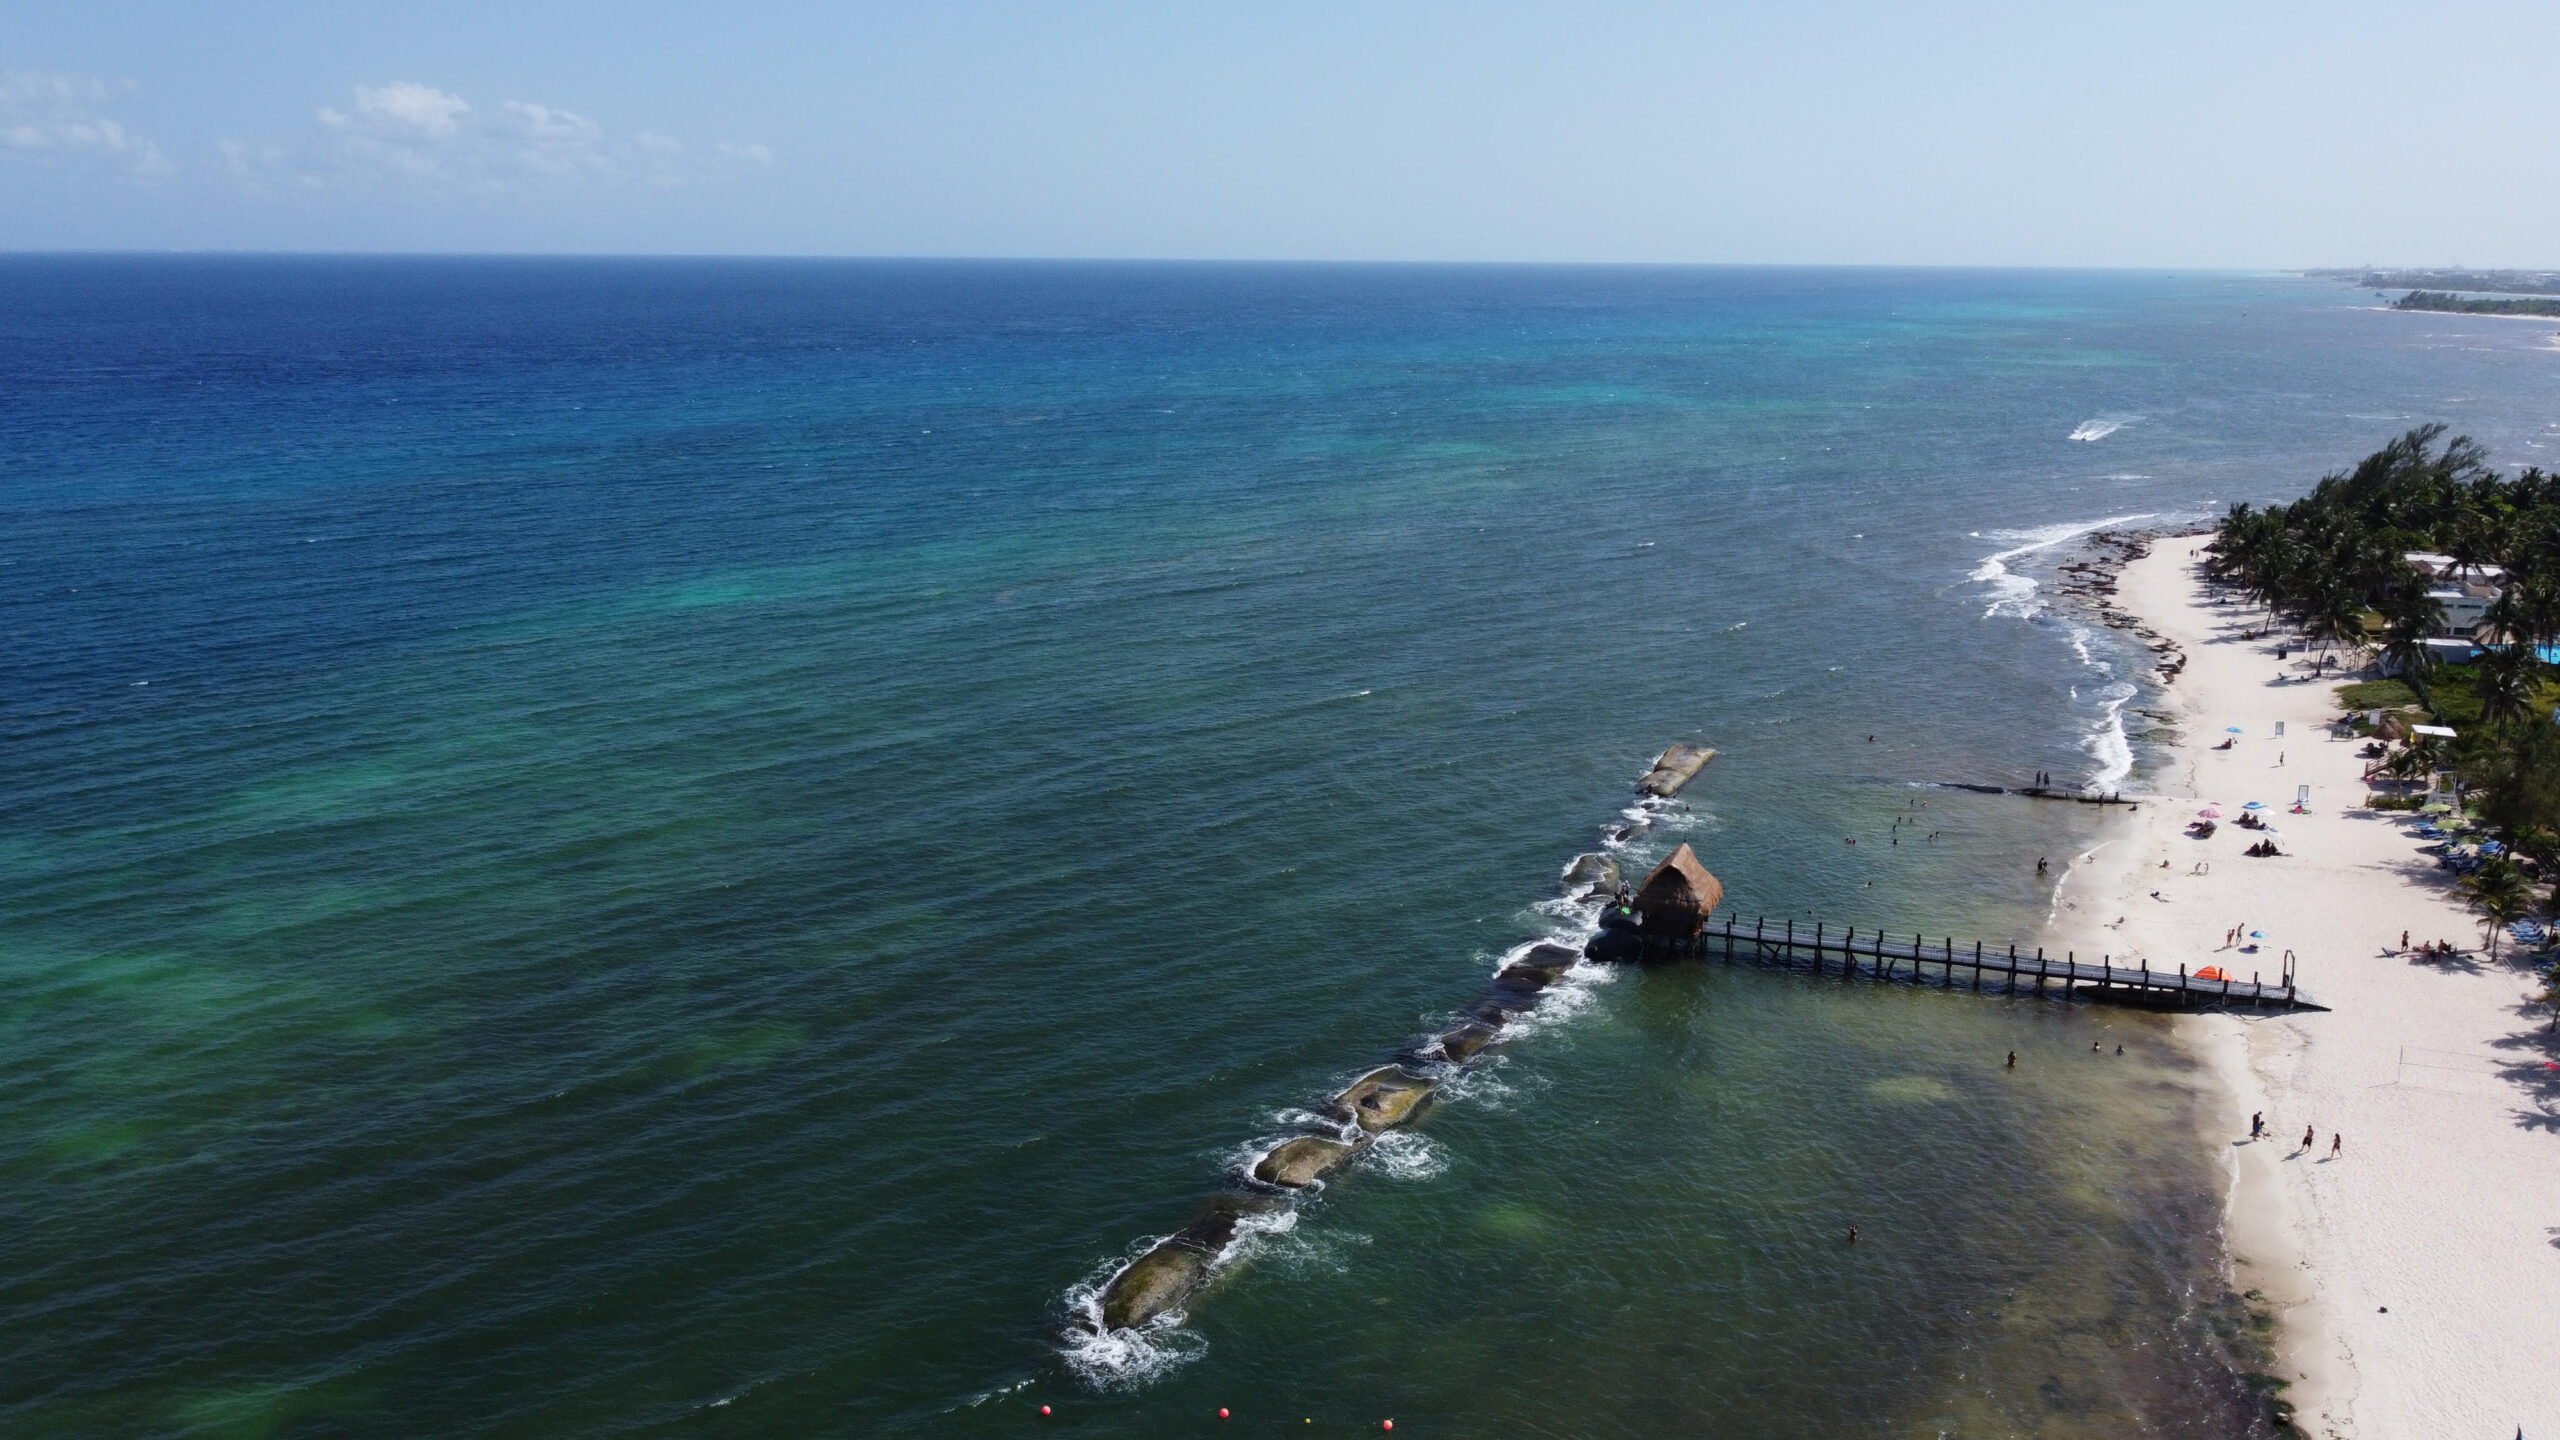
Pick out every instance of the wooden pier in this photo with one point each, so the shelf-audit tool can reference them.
(1878, 956)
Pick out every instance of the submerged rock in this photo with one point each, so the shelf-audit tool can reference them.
(1462, 1043)
(1297, 1163)
(1549, 957)
(1384, 1098)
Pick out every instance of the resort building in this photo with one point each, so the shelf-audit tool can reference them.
(2464, 591)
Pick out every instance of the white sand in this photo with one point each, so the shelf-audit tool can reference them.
(2445, 1204)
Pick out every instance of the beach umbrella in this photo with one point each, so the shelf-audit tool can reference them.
(2231, 730)
(2211, 812)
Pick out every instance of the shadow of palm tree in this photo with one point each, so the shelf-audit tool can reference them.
(2530, 1060)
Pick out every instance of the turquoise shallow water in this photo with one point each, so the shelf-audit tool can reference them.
(689, 848)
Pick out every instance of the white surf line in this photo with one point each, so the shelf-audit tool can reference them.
(2012, 592)
(2089, 856)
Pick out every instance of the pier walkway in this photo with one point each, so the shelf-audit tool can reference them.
(1877, 956)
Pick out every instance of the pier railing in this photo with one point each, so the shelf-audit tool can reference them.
(1877, 955)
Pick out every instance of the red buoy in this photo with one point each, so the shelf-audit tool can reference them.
(1391, 1425)
(1044, 1409)
(1222, 1412)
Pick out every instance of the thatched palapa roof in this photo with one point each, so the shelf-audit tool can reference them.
(1682, 885)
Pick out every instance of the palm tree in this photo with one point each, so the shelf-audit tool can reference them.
(2509, 680)
(2502, 895)
(2336, 618)
(2409, 617)
(2407, 764)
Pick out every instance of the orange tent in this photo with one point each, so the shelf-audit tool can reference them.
(2213, 972)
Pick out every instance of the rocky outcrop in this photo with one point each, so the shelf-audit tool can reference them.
(1462, 1044)
(1674, 768)
(1162, 1280)
(1384, 1098)
(1298, 1163)
(1166, 1275)
(1591, 873)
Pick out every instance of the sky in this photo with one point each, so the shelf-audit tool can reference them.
(2253, 135)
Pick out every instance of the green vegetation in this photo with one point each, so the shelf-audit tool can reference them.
(2376, 695)
(2502, 282)
(2326, 559)
(2446, 300)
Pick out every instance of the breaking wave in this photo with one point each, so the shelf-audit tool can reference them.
(2014, 594)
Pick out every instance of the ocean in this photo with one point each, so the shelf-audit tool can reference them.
(702, 848)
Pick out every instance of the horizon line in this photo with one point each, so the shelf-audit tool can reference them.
(211, 252)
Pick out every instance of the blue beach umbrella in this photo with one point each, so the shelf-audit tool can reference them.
(2253, 805)
(2232, 730)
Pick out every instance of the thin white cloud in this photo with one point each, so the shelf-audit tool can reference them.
(54, 116)
(406, 105)
(417, 135)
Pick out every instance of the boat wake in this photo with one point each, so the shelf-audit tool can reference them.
(2100, 428)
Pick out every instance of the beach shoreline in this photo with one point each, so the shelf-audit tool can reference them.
(2427, 1211)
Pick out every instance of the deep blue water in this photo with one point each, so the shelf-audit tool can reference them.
(634, 848)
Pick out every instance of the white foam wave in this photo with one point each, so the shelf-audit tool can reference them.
(972, 1403)
(1252, 1231)
(1405, 1155)
(1301, 1122)
(1311, 1252)
(1481, 1083)
(2101, 427)
(1574, 992)
(2015, 594)
(2107, 743)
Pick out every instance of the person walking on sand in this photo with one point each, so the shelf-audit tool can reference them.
(2335, 1143)
(2309, 1139)
(2257, 1123)
(2013, 1059)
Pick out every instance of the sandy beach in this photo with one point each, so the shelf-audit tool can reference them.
(2417, 1270)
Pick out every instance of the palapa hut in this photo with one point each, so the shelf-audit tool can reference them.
(1676, 899)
